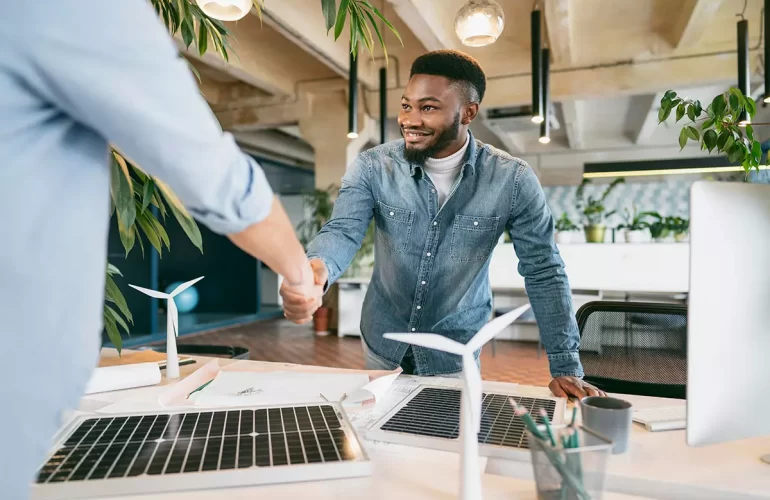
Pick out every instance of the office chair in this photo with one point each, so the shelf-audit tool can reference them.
(635, 347)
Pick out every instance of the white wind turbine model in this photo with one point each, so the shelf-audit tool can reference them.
(470, 402)
(172, 323)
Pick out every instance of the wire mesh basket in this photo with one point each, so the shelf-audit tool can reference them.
(574, 469)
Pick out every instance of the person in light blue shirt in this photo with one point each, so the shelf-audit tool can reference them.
(75, 77)
(441, 200)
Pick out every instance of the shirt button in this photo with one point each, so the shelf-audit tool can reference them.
(423, 282)
(475, 223)
(428, 254)
(432, 190)
(419, 307)
(392, 214)
(414, 329)
(435, 223)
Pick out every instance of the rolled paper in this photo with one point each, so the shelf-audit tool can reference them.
(116, 378)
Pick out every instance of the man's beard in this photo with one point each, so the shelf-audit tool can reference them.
(444, 139)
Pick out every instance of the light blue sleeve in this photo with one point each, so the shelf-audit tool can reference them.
(531, 229)
(112, 66)
(340, 238)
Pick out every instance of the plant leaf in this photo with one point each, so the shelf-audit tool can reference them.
(722, 140)
(710, 139)
(680, 111)
(149, 231)
(669, 95)
(112, 330)
(682, 139)
(147, 193)
(203, 38)
(735, 104)
(113, 270)
(707, 124)
(117, 317)
(736, 153)
(182, 216)
(390, 26)
(111, 290)
(750, 132)
(691, 112)
(329, 8)
(698, 108)
(751, 106)
(664, 113)
(693, 133)
(340, 22)
(719, 105)
(159, 229)
(188, 35)
(756, 151)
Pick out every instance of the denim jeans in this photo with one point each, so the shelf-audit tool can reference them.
(374, 362)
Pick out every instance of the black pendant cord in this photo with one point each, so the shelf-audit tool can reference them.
(545, 126)
(537, 59)
(744, 71)
(353, 97)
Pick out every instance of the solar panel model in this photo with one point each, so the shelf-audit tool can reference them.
(430, 418)
(157, 452)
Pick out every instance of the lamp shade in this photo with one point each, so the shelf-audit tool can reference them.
(225, 10)
(479, 22)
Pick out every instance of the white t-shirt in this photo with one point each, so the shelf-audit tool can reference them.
(444, 171)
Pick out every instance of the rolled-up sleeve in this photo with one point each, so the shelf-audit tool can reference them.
(113, 67)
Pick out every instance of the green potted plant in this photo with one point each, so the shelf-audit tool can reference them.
(594, 211)
(679, 227)
(635, 225)
(564, 229)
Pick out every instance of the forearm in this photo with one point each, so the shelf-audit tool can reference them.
(336, 247)
(274, 242)
(551, 299)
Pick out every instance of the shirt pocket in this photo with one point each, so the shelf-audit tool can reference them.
(473, 238)
(394, 227)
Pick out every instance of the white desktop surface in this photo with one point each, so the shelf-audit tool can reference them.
(658, 465)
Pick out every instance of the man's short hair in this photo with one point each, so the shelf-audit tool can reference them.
(456, 66)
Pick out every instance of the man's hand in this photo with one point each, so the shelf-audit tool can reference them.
(301, 301)
(565, 387)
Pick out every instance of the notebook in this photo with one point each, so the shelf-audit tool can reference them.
(662, 419)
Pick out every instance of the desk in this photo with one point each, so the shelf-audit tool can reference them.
(659, 465)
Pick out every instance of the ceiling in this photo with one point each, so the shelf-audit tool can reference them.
(611, 62)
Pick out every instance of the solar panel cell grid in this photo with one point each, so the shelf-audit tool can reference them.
(117, 447)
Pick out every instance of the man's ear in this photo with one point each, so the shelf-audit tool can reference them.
(470, 112)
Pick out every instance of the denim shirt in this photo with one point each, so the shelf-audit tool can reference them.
(431, 271)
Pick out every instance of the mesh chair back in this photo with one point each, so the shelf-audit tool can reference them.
(635, 347)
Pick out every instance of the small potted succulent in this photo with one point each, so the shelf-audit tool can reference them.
(679, 227)
(565, 229)
(635, 226)
(594, 211)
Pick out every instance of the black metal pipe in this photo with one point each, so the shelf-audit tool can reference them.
(384, 104)
(744, 71)
(545, 129)
(537, 75)
(353, 96)
(765, 27)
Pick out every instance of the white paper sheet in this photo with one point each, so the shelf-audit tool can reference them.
(115, 378)
(278, 388)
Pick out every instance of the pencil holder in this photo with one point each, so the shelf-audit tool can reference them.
(574, 469)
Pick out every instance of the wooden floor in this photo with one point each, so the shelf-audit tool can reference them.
(280, 340)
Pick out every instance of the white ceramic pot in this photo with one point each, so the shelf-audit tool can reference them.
(563, 237)
(638, 236)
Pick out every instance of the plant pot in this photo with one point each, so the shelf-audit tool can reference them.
(563, 237)
(637, 236)
(595, 233)
(321, 321)
(681, 237)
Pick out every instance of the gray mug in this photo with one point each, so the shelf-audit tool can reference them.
(609, 417)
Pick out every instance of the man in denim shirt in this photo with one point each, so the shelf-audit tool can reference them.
(441, 200)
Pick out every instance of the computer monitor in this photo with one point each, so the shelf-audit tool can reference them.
(728, 337)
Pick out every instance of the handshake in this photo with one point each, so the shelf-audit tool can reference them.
(302, 300)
